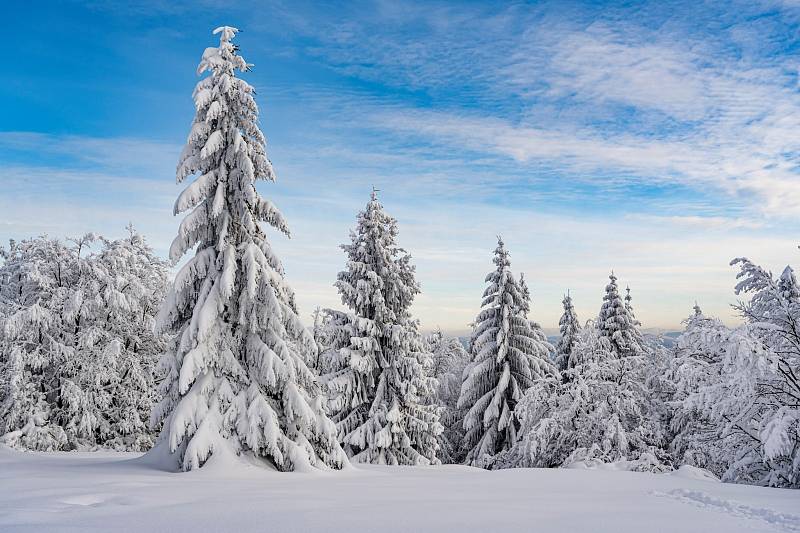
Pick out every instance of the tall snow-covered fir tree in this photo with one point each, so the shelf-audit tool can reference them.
(617, 324)
(381, 392)
(237, 375)
(507, 356)
(569, 328)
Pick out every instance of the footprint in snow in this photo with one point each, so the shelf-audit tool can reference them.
(782, 521)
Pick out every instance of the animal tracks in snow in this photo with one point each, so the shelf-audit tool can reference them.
(782, 521)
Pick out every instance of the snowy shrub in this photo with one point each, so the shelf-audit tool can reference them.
(78, 348)
(736, 401)
(39, 277)
(377, 365)
(508, 354)
(696, 364)
(596, 411)
(237, 374)
(449, 361)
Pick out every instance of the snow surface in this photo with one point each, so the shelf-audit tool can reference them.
(105, 491)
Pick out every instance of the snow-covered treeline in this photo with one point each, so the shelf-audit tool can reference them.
(77, 350)
(724, 399)
(83, 322)
(588, 399)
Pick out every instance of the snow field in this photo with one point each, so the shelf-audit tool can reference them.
(107, 491)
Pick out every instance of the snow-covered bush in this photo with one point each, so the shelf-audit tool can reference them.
(696, 364)
(381, 392)
(449, 361)
(237, 374)
(596, 411)
(737, 395)
(38, 278)
(78, 347)
(108, 389)
(507, 355)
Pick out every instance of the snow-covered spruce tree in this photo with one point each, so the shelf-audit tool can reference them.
(569, 327)
(543, 346)
(319, 329)
(629, 306)
(381, 392)
(507, 356)
(617, 324)
(449, 360)
(599, 411)
(237, 375)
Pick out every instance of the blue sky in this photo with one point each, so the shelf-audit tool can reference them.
(659, 139)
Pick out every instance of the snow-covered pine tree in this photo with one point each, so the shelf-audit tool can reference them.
(507, 356)
(542, 346)
(318, 331)
(237, 375)
(617, 324)
(629, 303)
(569, 327)
(449, 360)
(381, 393)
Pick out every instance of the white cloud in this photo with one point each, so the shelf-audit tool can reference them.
(505, 94)
(697, 101)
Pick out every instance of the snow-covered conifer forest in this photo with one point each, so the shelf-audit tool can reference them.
(121, 371)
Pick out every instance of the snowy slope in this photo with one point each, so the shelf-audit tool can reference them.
(119, 492)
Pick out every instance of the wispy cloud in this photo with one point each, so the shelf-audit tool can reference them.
(656, 138)
(605, 94)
